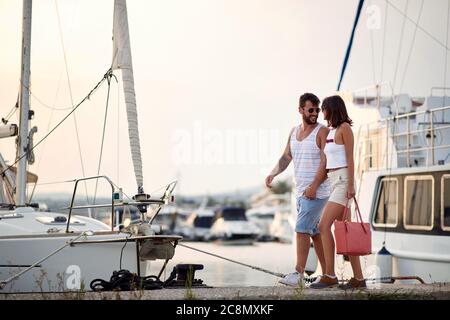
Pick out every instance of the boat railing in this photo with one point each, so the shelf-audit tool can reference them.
(380, 141)
(141, 200)
(71, 207)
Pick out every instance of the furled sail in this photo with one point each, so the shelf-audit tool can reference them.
(122, 61)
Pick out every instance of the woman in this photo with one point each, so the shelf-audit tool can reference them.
(340, 167)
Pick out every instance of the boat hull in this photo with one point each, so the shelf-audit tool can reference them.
(72, 268)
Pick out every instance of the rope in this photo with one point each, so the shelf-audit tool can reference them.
(412, 45)
(47, 130)
(280, 275)
(445, 65)
(59, 123)
(71, 100)
(118, 136)
(373, 53)
(418, 26)
(386, 10)
(11, 112)
(48, 106)
(17, 275)
(124, 280)
(400, 45)
(110, 76)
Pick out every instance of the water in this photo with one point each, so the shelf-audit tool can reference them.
(273, 256)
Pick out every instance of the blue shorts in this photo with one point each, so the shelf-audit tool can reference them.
(308, 215)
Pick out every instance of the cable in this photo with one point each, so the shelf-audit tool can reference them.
(118, 135)
(48, 106)
(418, 26)
(107, 74)
(11, 112)
(445, 52)
(103, 136)
(71, 100)
(234, 261)
(121, 251)
(400, 45)
(386, 9)
(48, 129)
(412, 46)
(373, 52)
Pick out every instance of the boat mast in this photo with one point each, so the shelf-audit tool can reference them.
(21, 178)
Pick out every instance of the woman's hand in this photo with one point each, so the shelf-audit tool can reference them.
(351, 191)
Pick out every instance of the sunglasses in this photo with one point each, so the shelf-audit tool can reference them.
(311, 110)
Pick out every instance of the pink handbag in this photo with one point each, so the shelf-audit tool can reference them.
(352, 238)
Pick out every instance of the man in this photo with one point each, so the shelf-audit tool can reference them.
(305, 148)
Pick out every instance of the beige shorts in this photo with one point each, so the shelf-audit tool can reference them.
(339, 186)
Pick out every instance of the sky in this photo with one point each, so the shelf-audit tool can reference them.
(217, 81)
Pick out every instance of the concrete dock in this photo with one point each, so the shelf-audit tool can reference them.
(439, 291)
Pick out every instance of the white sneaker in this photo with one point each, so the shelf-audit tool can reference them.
(294, 279)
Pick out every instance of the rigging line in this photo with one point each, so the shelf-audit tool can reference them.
(412, 46)
(234, 261)
(11, 112)
(59, 123)
(397, 63)
(445, 65)
(118, 135)
(48, 129)
(71, 99)
(110, 76)
(386, 10)
(418, 26)
(373, 57)
(56, 182)
(48, 106)
(53, 108)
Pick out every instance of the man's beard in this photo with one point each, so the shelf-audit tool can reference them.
(309, 121)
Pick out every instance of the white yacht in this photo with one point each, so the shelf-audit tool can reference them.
(199, 224)
(263, 218)
(47, 251)
(281, 229)
(402, 164)
(232, 227)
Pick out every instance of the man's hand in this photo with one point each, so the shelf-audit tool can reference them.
(310, 193)
(269, 179)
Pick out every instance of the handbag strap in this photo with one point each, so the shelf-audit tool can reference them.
(358, 213)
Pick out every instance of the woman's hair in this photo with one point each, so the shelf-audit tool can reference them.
(336, 111)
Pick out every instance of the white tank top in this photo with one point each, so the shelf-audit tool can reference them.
(306, 159)
(335, 152)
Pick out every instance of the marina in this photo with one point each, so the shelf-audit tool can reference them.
(103, 240)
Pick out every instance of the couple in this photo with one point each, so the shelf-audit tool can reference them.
(318, 152)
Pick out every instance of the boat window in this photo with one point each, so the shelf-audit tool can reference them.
(445, 202)
(234, 214)
(203, 222)
(419, 202)
(386, 214)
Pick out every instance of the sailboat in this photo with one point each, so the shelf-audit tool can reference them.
(53, 252)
